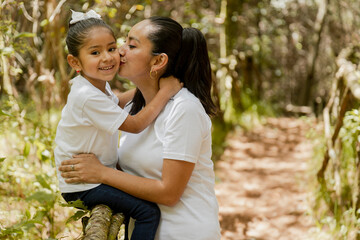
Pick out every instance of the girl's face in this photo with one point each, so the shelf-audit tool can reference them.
(135, 54)
(99, 58)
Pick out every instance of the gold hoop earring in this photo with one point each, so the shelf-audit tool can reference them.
(151, 74)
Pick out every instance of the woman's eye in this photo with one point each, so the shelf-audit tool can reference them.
(131, 46)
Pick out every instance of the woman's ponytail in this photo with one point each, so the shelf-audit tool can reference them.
(193, 67)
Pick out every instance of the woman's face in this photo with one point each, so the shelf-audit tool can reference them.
(135, 54)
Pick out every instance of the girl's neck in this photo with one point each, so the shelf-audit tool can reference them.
(98, 84)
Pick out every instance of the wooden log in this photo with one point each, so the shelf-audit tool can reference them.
(102, 224)
(349, 72)
(330, 146)
(116, 221)
(99, 223)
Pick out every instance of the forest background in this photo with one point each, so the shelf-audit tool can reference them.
(269, 58)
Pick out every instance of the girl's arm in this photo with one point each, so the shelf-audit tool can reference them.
(138, 122)
(125, 97)
(167, 191)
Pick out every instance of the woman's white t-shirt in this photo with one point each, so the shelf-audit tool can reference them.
(182, 132)
(89, 124)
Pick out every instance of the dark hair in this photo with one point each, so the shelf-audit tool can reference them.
(188, 60)
(166, 38)
(193, 68)
(78, 32)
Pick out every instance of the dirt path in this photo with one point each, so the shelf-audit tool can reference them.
(261, 189)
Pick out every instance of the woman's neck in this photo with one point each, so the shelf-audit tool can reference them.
(148, 94)
(149, 91)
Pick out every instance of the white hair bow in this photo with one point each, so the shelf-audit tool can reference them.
(79, 16)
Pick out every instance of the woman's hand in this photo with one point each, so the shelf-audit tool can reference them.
(83, 168)
(171, 85)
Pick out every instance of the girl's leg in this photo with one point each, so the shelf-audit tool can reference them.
(146, 214)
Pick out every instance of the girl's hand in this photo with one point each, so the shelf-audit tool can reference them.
(171, 85)
(82, 168)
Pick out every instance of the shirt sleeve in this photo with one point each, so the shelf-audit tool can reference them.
(104, 114)
(183, 135)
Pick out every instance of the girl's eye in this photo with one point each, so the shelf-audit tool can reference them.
(131, 46)
(95, 53)
(112, 49)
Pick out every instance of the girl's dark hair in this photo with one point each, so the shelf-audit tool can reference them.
(78, 32)
(188, 60)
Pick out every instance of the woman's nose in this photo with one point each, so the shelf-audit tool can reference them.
(122, 50)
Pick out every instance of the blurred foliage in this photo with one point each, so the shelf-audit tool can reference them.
(27, 172)
(265, 55)
(336, 193)
(336, 207)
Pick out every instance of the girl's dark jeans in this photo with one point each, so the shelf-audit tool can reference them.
(146, 214)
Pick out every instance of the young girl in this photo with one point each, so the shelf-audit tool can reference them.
(92, 117)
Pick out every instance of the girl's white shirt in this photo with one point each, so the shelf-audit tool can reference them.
(89, 124)
(182, 132)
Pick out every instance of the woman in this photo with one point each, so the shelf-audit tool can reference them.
(169, 163)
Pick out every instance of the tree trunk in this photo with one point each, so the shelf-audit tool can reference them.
(229, 35)
(319, 26)
(6, 85)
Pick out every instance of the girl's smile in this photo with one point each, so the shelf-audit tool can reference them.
(99, 58)
(107, 68)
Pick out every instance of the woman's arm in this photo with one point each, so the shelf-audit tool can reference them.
(167, 191)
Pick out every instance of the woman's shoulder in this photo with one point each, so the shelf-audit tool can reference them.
(182, 112)
(185, 103)
(184, 98)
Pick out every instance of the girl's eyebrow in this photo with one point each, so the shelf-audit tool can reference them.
(97, 46)
(111, 43)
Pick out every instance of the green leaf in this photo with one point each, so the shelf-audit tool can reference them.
(112, 12)
(42, 197)
(39, 216)
(28, 225)
(79, 214)
(43, 182)
(24, 34)
(26, 150)
(27, 214)
(76, 204)
(2, 159)
(45, 155)
(10, 231)
(7, 51)
(44, 23)
(5, 113)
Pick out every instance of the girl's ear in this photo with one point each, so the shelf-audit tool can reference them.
(160, 62)
(74, 62)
